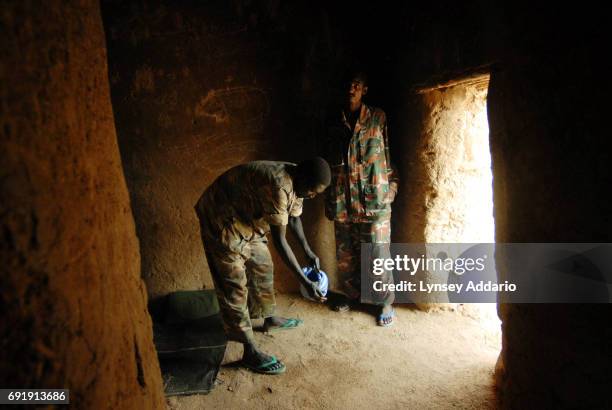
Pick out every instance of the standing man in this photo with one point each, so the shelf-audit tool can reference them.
(235, 214)
(362, 189)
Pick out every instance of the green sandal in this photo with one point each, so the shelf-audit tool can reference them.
(289, 324)
(274, 366)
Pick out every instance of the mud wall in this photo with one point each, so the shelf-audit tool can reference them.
(199, 87)
(73, 304)
(436, 44)
(550, 153)
(450, 198)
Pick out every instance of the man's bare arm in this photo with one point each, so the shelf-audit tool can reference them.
(295, 223)
(286, 253)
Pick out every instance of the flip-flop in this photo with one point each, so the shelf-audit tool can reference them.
(382, 317)
(273, 366)
(289, 324)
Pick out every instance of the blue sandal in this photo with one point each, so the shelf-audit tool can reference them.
(381, 318)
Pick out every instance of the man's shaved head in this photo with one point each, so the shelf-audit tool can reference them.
(314, 171)
(312, 177)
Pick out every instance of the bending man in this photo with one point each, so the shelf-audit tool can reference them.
(236, 212)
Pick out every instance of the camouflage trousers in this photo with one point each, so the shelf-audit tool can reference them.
(242, 271)
(349, 238)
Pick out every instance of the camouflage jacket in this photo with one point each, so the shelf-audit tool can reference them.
(363, 181)
(249, 198)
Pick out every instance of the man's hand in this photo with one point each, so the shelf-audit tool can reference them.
(313, 260)
(278, 236)
(390, 196)
(314, 291)
(296, 225)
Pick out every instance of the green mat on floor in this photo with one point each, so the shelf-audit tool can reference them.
(190, 341)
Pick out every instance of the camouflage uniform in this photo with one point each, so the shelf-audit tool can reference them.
(235, 214)
(360, 195)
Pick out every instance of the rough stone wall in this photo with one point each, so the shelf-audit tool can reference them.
(72, 301)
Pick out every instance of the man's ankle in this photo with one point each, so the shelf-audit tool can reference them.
(249, 348)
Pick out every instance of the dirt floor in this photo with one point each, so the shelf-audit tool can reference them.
(442, 359)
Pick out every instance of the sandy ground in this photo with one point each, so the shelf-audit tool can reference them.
(433, 360)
